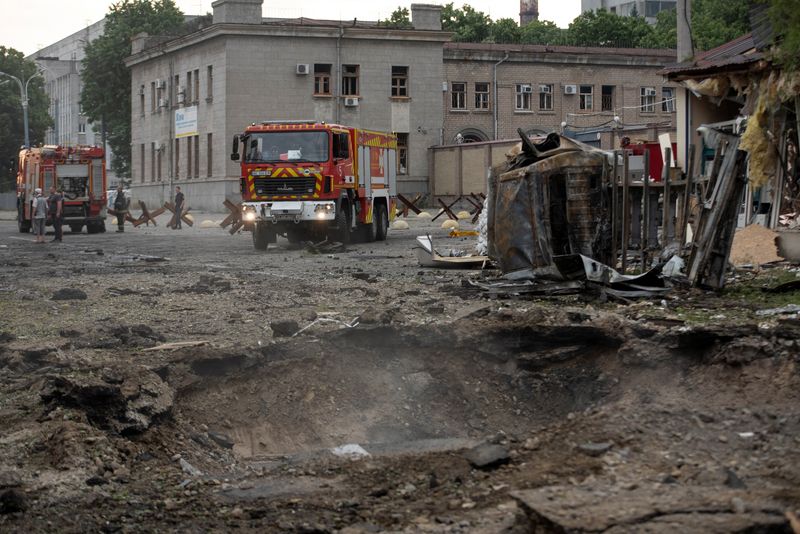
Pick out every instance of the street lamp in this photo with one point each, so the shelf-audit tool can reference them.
(23, 94)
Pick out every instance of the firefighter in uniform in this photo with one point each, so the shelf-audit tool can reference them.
(121, 207)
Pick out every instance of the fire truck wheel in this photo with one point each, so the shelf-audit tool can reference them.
(383, 222)
(260, 237)
(343, 225)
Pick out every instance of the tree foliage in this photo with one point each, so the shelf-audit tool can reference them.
(106, 94)
(12, 129)
(542, 32)
(785, 17)
(603, 28)
(715, 22)
(399, 19)
(665, 31)
(467, 25)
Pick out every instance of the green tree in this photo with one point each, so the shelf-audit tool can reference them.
(785, 17)
(467, 25)
(665, 31)
(602, 28)
(399, 19)
(106, 94)
(12, 129)
(715, 22)
(542, 32)
(504, 31)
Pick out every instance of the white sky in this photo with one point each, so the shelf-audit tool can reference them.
(28, 25)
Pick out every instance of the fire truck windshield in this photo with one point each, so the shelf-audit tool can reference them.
(273, 147)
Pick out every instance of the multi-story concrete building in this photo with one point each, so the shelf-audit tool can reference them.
(597, 94)
(648, 9)
(192, 94)
(61, 65)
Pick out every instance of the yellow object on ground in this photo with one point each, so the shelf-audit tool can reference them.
(463, 233)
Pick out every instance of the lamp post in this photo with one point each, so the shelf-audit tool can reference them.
(23, 94)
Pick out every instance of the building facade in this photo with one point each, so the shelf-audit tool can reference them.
(648, 9)
(191, 95)
(60, 64)
(597, 95)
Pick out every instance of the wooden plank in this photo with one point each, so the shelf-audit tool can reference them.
(666, 211)
(626, 210)
(615, 214)
(687, 192)
(645, 240)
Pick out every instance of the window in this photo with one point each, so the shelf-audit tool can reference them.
(209, 161)
(402, 153)
(586, 93)
(189, 157)
(196, 89)
(177, 158)
(546, 97)
(159, 151)
(209, 83)
(82, 125)
(523, 98)
(322, 78)
(350, 80)
(648, 100)
(152, 97)
(176, 88)
(153, 162)
(141, 160)
(188, 89)
(141, 100)
(668, 99)
(481, 95)
(607, 98)
(458, 95)
(196, 156)
(399, 81)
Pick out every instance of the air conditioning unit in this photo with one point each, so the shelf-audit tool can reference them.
(181, 95)
(351, 102)
(162, 102)
(570, 89)
(160, 84)
(545, 88)
(302, 68)
(526, 89)
(649, 91)
(141, 91)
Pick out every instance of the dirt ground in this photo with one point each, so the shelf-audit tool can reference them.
(461, 413)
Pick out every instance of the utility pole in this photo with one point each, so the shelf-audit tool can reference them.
(23, 95)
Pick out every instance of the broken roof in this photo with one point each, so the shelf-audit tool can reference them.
(739, 54)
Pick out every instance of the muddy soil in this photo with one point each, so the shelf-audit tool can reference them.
(159, 380)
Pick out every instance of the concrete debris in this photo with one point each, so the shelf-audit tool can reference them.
(189, 469)
(350, 450)
(488, 456)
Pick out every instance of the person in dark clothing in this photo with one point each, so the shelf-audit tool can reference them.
(121, 207)
(178, 208)
(55, 204)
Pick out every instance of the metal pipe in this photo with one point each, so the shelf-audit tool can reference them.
(23, 95)
(338, 89)
(494, 84)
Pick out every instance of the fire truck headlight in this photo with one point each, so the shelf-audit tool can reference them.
(249, 216)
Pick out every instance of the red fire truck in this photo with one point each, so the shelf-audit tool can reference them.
(79, 172)
(310, 180)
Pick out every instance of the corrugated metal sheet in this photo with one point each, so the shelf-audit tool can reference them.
(733, 54)
(761, 25)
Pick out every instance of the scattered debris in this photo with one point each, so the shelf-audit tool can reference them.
(789, 308)
(68, 293)
(751, 244)
(351, 450)
(488, 456)
(430, 257)
(285, 328)
(595, 449)
(175, 345)
(189, 469)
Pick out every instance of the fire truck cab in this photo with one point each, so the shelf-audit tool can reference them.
(78, 172)
(310, 180)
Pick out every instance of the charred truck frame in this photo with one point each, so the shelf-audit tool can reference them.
(78, 172)
(310, 180)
